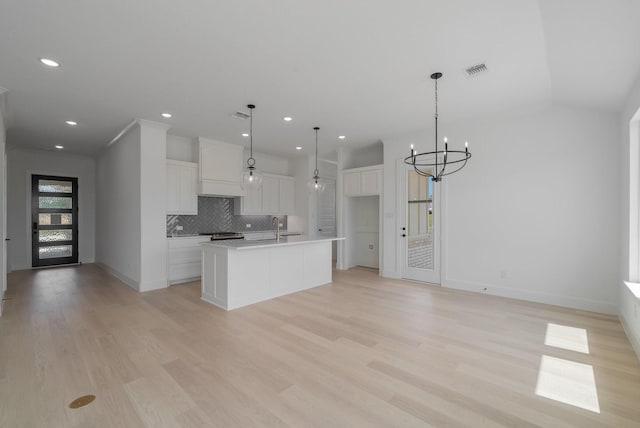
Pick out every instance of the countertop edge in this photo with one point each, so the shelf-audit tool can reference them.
(263, 244)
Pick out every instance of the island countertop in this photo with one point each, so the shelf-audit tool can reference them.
(242, 244)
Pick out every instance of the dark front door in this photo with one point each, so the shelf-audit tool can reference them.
(54, 220)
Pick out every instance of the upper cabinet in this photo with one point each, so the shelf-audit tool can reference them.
(362, 181)
(220, 168)
(276, 196)
(182, 187)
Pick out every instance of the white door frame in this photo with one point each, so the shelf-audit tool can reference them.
(430, 276)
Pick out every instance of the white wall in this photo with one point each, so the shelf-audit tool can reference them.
(21, 164)
(131, 207)
(153, 208)
(300, 171)
(268, 163)
(3, 199)
(118, 208)
(534, 215)
(629, 305)
(181, 148)
(365, 156)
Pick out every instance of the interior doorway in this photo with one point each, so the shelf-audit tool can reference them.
(54, 216)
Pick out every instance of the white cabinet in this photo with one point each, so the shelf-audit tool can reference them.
(271, 195)
(184, 258)
(362, 181)
(287, 193)
(275, 196)
(220, 168)
(182, 195)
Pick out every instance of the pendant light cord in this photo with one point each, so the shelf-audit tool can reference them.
(316, 172)
(251, 161)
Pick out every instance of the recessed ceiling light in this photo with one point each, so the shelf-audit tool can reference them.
(167, 115)
(342, 137)
(298, 148)
(245, 134)
(70, 122)
(287, 118)
(59, 147)
(49, 62)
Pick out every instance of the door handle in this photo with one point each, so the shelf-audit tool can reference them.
(35, 227)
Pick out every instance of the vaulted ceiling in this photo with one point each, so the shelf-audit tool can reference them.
(356, 68)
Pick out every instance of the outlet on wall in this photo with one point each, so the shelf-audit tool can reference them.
(503, 274)
(248, 226)
(371, 246)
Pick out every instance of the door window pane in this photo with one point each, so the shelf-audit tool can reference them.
(55, 235)
(55, 219)
(55, 186)
(55, 252)
(420, 222)
(54, 202)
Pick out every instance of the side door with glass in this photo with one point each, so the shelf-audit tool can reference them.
(54, 217)
(419, 207)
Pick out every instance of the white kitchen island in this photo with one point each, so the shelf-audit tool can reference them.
(238, 273)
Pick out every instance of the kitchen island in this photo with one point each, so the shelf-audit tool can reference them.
(238, 273)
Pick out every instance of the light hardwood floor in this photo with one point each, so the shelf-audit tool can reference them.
(364, 351)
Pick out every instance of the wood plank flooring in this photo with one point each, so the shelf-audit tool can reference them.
(361, 352)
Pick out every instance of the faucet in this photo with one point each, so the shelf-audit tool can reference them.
(275, 221)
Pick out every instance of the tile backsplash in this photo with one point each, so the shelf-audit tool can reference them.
(217, 215)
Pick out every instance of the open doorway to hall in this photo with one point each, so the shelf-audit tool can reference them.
(54, 219)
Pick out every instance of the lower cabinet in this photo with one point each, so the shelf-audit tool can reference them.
(184, 258)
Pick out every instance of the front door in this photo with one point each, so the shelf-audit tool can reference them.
(54, 217)
(419, 235)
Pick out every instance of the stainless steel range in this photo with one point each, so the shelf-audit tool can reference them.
(219, 236)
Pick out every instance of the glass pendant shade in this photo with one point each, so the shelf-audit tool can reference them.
(316, 184)
(251, 178)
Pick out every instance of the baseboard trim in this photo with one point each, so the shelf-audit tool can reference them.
(156, 284)
(533, 296)
(635, 341)
(391, 274)
(122, 277)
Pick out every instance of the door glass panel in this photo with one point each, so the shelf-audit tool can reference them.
(55, 186)
(55, 219)
(55, 252)
(54, 202)
(55, 235)
(420, 221)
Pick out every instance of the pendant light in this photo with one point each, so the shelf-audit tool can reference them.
(316, 184)
(251, 178)
(438, 163)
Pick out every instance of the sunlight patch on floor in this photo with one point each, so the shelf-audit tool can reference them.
(568, 382)
(565, 337)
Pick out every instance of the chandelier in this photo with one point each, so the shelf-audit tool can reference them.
(439, 163)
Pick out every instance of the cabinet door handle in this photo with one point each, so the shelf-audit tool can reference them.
(404, 235)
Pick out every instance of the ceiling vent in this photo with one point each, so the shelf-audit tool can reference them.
(240, 115)
(475, 70)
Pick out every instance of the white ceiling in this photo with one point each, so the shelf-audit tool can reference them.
(358, 67)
